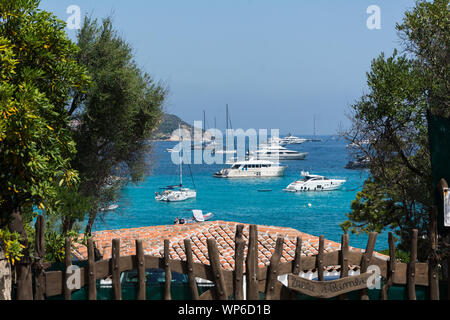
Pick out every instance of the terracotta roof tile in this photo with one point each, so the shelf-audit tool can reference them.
(223, 232)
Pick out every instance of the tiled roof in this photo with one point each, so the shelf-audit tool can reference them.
(224, 233)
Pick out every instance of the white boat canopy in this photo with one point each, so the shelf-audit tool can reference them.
(198, 215)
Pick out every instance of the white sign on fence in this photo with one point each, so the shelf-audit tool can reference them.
(446, 207)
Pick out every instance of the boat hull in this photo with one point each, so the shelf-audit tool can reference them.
(176, 196)
(300, 156)
(236, 173)
(299, 187)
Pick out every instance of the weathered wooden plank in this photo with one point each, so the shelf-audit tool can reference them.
(200, 270)
(327, 289)
(53, 283)
(273, 269)
(400, 276)
(433, 270)
(92, 287)
(391, 267)
(67, 266)
(238, 275)
(252, 264)
(214, 261)
(207, 295)
(190, 269)
(55, 279)
(38, 265)
(140, 261)
(320, 265)
(115, 268)
(366, 259)
(412, 266)
(168, 271)
(344, 260)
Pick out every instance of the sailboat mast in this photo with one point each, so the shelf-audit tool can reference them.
(181, 161)
(314, 120)
(227, 116)
(204, 121)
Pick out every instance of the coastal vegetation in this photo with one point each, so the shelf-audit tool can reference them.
(169, 123)
(74, 120)
(392, 118)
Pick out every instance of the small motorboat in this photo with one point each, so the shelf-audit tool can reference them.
(313, 182)
(361, 162)
(197, 216)
(110, 207)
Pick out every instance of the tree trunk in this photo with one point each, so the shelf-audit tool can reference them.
(5, 277)
(90, 223)
(67, 225)
(24, 283)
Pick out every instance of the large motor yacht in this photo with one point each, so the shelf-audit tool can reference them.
(312, 182)
(252, 168)
(277, 152)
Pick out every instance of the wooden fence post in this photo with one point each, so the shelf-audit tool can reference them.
(167, 271)
(297, 264)
(92, 286)
(365, 262)
(238, 274)
(214, 260)
(272, 270)
(433, 274)
(115, 269)
(38, 265)
(190, 269)
(391, 268)
(319, 259)
(344, 260)
(411, 278)
(252, 264)
(140, 262)
(67, 265)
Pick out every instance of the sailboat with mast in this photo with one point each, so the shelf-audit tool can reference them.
(177, 192)
(224, 150)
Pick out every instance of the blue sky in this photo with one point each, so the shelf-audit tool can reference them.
(276, 63)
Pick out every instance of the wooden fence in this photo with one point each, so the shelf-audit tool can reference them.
(230, 284)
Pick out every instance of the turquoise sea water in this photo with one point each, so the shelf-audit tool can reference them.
(316, 213)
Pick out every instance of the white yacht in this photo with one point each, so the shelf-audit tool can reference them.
(292, 140)
(173, 193)
(312, 182)
(277, 152)
(252, 168)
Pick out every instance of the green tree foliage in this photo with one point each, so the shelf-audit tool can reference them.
(36, 147)
(392, 117)
(425, 33)
(114, 118)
